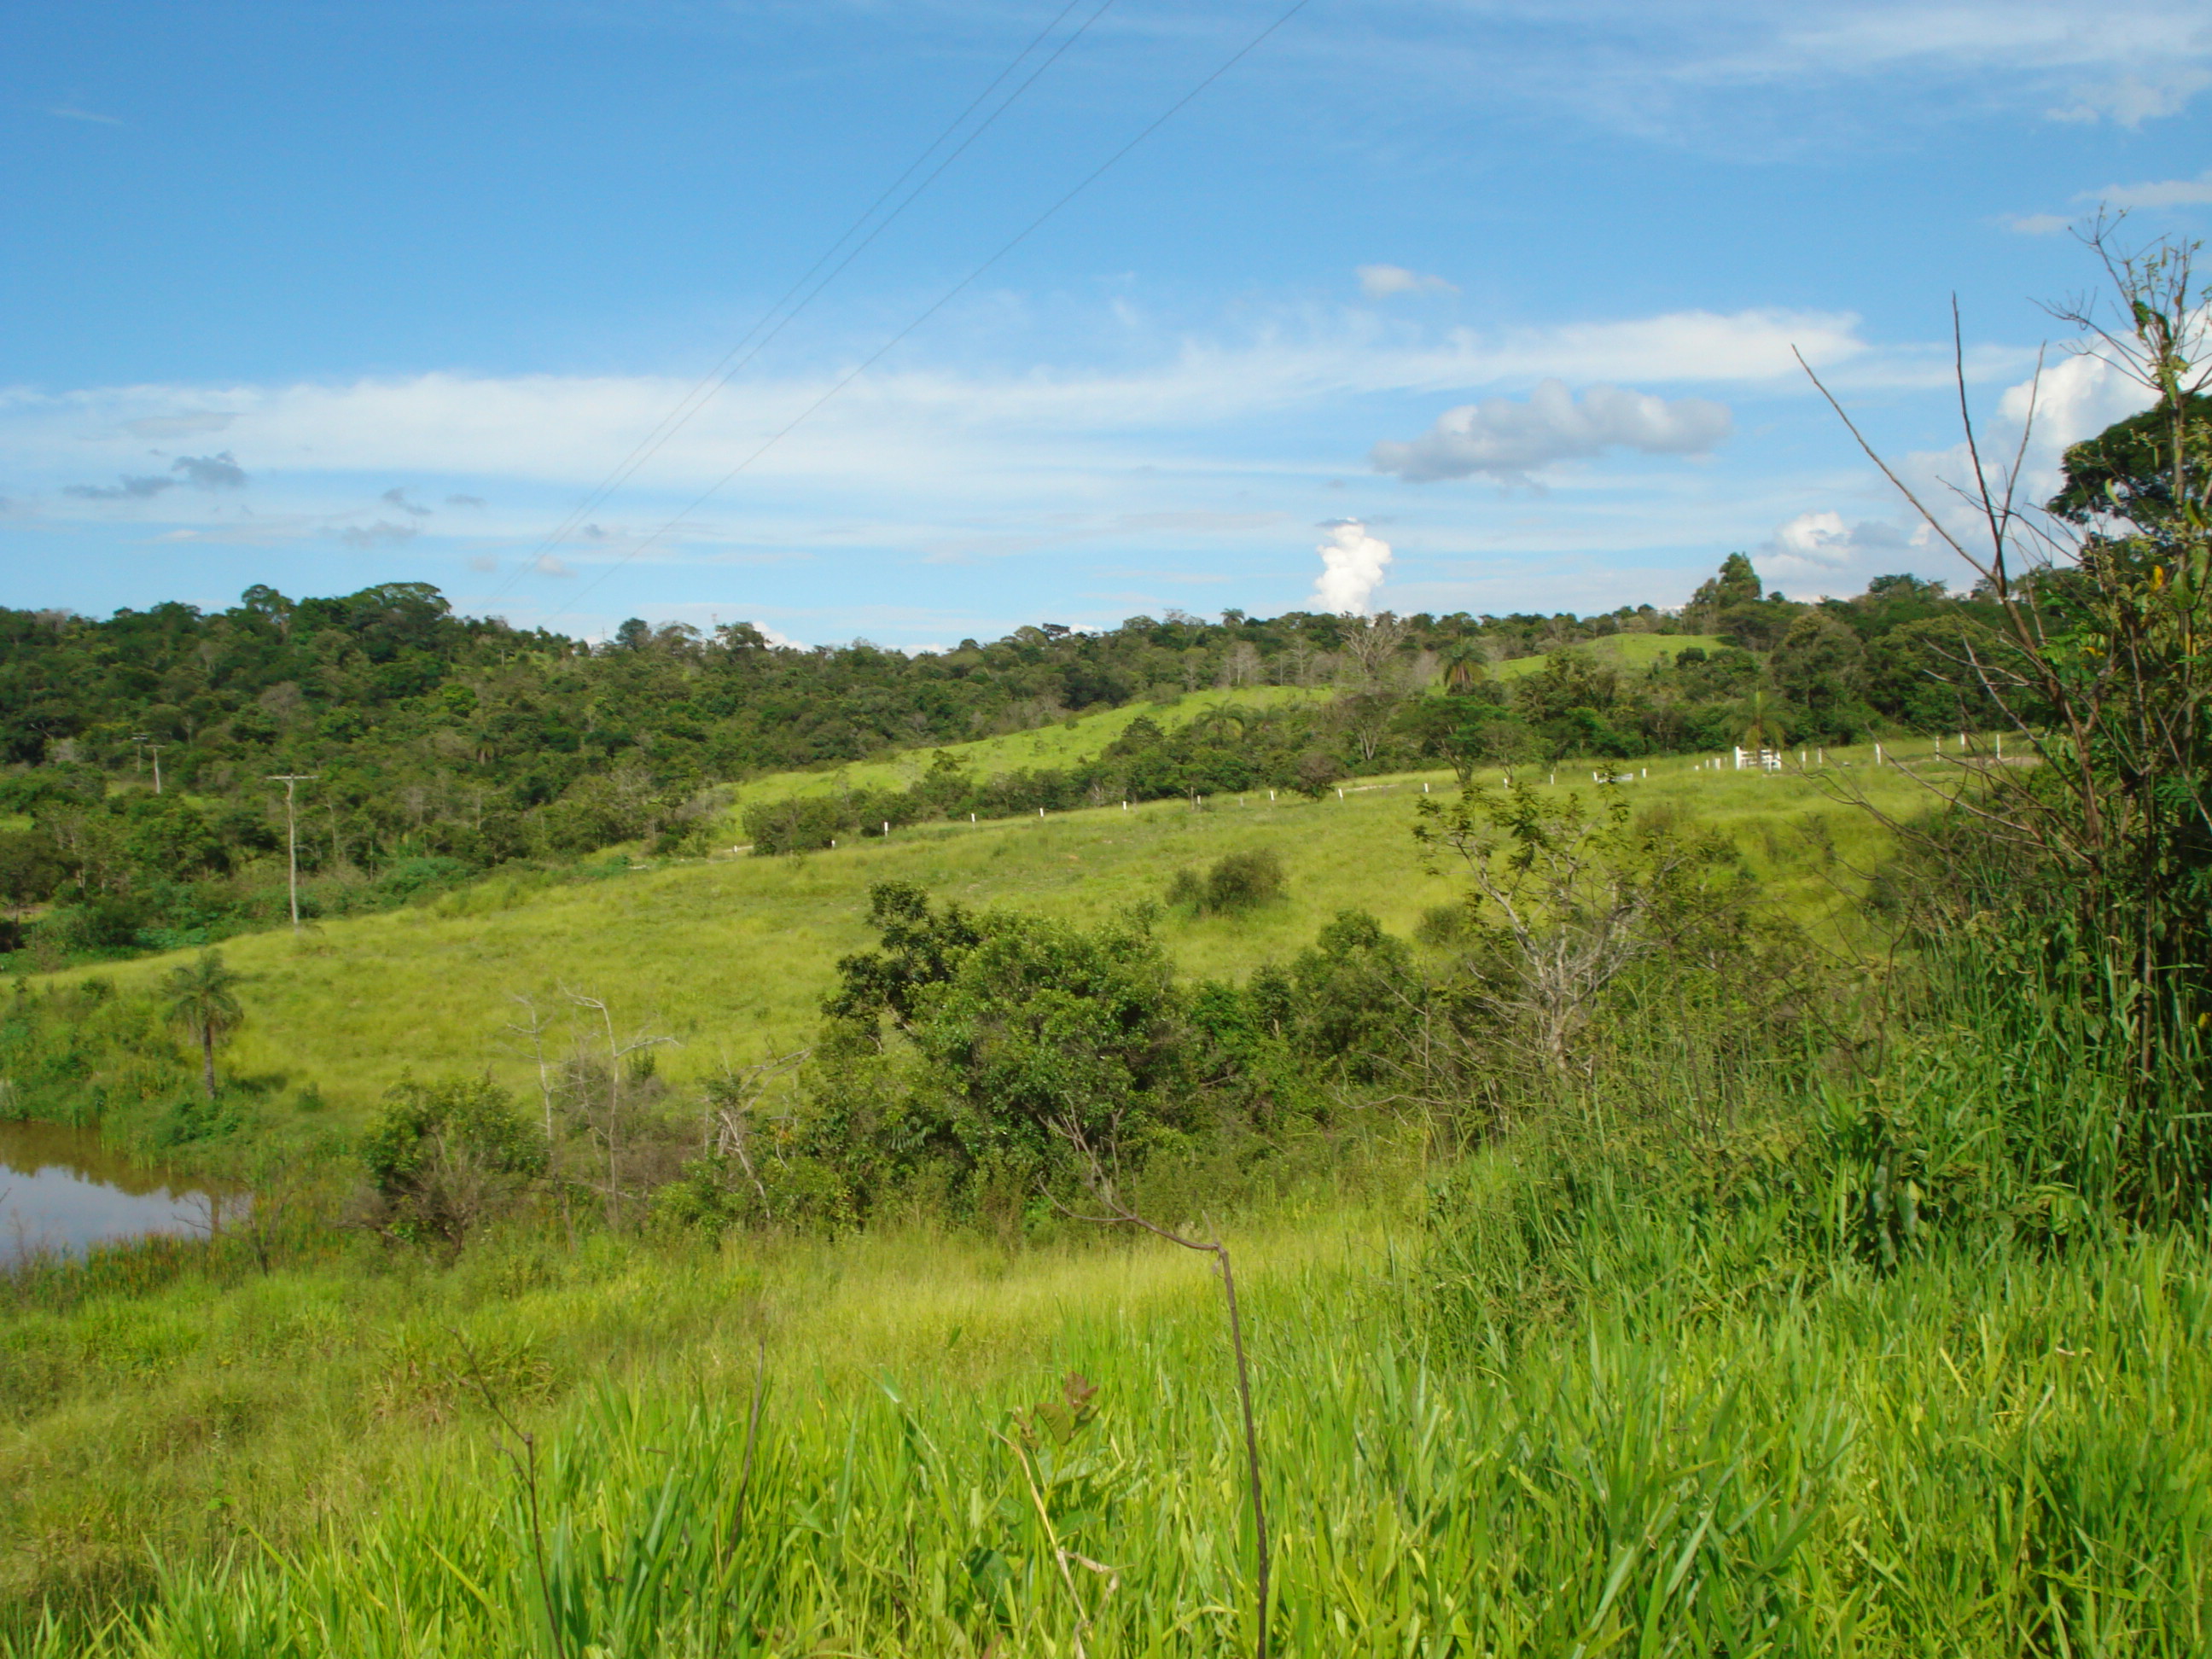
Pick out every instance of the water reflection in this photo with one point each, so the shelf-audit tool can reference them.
(62, 1192)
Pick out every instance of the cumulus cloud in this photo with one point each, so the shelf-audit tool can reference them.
(127, 489)
(546, 565)
(398, 498)
(216, 471)
(1820, 552)
(2038, 224)
(2077, 397)
(382, 534)
(464, 501)
(1508, 440)
(483, 564)
(1381, 281)
(1352, 563)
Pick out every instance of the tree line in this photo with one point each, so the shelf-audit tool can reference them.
(138, 748)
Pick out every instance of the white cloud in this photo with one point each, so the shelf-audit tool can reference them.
(569, 429)
(179, 426)
(1508, 440)
(2038, 224)
(2075, 397)
(1352, 563)
(2157, 193)
(1820, 553)
(1748, 78)
(2131, 99)
(1381, 281)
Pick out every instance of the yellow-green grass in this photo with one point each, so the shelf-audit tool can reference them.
(1058, 745)
(198, 1418)
(1619, 650)
(731, 955)
(1976, 1454)
(1080, 737)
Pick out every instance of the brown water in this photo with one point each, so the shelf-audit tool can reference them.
(62, 1192)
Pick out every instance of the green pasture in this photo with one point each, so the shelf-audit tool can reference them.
(731, 956)
(1061, 744)
(1079, 736)
(1616, 650)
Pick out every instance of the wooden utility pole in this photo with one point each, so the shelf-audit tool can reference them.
(291, 833)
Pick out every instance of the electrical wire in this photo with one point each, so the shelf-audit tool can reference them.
(942, 301)
(715, 380)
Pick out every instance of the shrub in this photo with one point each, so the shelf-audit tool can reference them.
(1238, 881)
(799, 825)
(445, 1157)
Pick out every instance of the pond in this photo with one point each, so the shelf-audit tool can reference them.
(62, 1192)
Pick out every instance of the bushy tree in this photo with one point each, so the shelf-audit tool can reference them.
(1055, 1049)
(1820, 666)
(1238, 881)
(445, 1157)
(1566, 897)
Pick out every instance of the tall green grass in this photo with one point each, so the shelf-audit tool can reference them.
(1997, 1455)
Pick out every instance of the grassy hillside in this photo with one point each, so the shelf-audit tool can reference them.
(731, 955)
(1060, 745)
(1619, 650)
(1081, 736)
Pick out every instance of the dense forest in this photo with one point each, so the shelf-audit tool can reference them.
(141, 748)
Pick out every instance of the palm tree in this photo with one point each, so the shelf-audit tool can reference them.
(202, 998)
(1465, 662)
(1763, 729)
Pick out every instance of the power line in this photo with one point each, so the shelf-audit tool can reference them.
(713, 382)
(942, 301)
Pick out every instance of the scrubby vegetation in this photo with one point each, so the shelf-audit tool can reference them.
(1674, 1213)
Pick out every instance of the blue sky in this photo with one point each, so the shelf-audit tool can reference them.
(320, 295)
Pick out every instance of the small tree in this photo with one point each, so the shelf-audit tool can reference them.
(201, 998)
(447, 1156)
(1567, 900)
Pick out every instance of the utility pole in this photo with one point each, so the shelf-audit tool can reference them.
(291, 833)
(154, 748)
